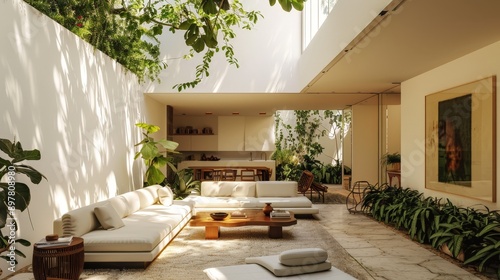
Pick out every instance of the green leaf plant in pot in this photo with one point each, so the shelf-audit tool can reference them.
(154, 158)
(14, 194)
(392, 161)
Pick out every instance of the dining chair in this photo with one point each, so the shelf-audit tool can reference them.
(229, 174)
(247, 175)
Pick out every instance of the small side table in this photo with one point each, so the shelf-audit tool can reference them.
(62, 262)
(394, 174)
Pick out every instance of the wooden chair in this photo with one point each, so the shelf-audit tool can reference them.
(264, 174)
(319, 189)
(247, 175)
(205, 174)
(229, 174)
(305, 182)
(217, 175)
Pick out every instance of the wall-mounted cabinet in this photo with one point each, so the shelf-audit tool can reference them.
(184, 142)
(202, 143)
(259, 134)
(230, 133)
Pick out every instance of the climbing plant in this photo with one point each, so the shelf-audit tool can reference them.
(129, 31)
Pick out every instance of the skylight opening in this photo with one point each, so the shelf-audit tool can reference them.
(314, 14)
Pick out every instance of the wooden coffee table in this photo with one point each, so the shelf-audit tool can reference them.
(254, 218)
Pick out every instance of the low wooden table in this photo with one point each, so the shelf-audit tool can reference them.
(254, 218)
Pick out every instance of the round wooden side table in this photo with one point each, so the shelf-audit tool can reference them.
(62, 262)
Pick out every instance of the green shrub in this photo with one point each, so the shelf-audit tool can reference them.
(475, 233)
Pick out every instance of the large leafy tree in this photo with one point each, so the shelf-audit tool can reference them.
(129, 31)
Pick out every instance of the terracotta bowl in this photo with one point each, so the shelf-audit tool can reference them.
(218, 216)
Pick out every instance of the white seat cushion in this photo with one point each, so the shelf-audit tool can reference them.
(305, 256)
(273, 264)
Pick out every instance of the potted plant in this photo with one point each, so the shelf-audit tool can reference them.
(182, 182)
(15, 195)
(154, 158)
(392, 161)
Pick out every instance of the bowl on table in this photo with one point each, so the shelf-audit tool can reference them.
(218, 216)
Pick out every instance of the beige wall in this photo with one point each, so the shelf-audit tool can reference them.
(365, 143)
(474, 66)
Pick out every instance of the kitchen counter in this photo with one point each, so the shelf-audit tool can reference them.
(236, 164)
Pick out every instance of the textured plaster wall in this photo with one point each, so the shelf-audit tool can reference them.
(74, 104)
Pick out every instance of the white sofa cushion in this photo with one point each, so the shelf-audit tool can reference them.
(128, 203)
(305, 256)
(214, 202)
(227, 189)
(165, 196)
(80, 221)
(276, 189)
(244, 189)
(148, 195)
(122, 205)
(108, 217)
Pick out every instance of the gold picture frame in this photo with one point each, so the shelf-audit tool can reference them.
(460, 146)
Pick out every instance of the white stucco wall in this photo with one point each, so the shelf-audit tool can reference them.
(267, 56)
(75, 105)
(474, 66)
(346, 20)
(365, 142)
(270, 55)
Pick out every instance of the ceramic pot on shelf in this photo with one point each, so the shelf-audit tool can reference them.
(267, 209)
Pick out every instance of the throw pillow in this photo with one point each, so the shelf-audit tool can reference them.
(304, 256)
(165, 196)
(108, 217)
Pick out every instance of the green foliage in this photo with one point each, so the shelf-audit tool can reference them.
(182, 182)
(129, 31)
(287, 5)
(297, 147)
(14, 194)
(154, 158)
(464, 230)
(390, 158)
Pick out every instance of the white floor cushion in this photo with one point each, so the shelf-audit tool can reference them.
(255, 271)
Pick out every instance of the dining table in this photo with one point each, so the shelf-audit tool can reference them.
(199, 171)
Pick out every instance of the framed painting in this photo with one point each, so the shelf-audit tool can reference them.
(460, 146)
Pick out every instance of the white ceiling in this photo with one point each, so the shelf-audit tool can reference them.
(410, 39)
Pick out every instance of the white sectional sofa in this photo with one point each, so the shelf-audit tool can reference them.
(133, 227)
(227, 196)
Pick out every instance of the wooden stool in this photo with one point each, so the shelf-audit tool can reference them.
(59, 262)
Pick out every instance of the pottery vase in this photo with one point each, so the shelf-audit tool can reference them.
(267, 209)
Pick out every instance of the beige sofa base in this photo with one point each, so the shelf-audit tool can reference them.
(296, 211)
